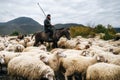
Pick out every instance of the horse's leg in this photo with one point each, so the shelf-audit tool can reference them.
(36, 42)
(41, 42)
(56, 46)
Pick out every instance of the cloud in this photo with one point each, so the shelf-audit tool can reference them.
(64, 11)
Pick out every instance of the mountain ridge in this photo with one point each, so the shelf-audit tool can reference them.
(27, 25)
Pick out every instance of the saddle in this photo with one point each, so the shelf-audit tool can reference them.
(50, 38)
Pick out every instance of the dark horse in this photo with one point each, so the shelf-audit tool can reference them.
(58, 33)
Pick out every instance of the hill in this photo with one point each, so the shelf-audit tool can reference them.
(117, 29)
(67, 25)
(23, 25)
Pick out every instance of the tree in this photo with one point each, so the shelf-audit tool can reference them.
(15, 33)
(100, 28)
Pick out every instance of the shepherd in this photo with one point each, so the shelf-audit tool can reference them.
(48, 27)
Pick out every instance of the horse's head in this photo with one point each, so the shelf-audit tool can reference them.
(66, 32)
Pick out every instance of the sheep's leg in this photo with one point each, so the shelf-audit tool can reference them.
(35, 44)
(68, 73)
(73, 78)
(70, 78)
(55, 44)
(54, 78)
(41, 42)
(84, 76)
(78, 76)
(0, 67)
(59, 75)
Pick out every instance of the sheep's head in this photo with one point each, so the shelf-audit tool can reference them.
(19, 48)
(49, 74)
(42, 47)
(100, 58)
(54, 60)
(85, 53)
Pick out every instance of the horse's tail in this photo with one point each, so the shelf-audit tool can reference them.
(33, 35)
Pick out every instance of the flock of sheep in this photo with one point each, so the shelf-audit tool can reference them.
(76, 59)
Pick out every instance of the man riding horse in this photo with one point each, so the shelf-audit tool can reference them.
(48, 27)
(50, 34)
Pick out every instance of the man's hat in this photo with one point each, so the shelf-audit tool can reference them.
(48, 15)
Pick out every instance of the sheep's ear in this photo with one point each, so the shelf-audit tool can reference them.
(61, 54)
(3, 55)
(2, 61)
(98, 58)
(45, 76)
(106, 61)
(44, 59)
(83, 53)
(43, 49)
(101, 59)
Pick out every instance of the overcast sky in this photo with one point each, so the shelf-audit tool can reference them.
(64, 11)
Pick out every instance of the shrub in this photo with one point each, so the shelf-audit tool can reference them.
(15, 33)
(91, 32)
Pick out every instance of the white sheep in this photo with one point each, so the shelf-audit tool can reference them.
(81, 46)
(10, 48)
(57, 50)
(116, 50)
(35, 49)
(14, 48)
(30, 68)
(24, 42)
(113, 59)
(78, 64)
(42, 47)
(8, 56)
(14, 40)
(109, 57)
(70, 44)
(2, 46)
(70, 52)
(31, 43)
(54, 60)
(1, 62)
(117, 36)
(103, 71)
(61, 43)
(115, 43)
(19, 48)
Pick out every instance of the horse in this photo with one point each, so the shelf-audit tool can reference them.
(58, 33)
